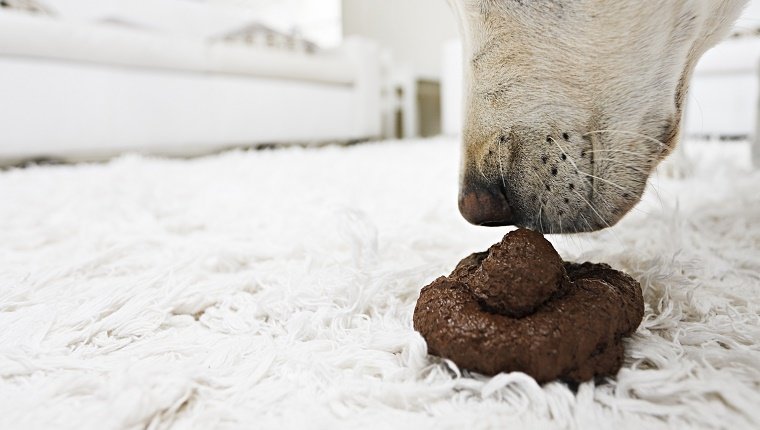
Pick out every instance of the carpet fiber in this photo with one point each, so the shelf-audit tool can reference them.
(275, 289)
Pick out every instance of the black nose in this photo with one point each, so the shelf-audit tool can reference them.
(485, 205)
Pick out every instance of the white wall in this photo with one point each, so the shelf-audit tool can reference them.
(750, 19)
(452, 74)
(723, 96)
(415, 30)
(317, 20)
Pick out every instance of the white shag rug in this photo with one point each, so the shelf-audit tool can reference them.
(275, 289)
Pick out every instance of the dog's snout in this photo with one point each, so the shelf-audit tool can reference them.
(485, 205)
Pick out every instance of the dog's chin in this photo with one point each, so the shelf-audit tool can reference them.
(582, 222)
(547, 226)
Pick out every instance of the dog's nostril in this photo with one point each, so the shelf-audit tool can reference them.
(485, 206)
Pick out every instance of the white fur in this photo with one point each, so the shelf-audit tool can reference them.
(275, 289)
(599, 83)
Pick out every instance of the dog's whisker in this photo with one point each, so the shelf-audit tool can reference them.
(610, 231)
(569, 158)
(501, 163)
(588, 224)
(621, 151)
(618, 162)
(651, 139)
(605, 181)
(592, 208)
(540, 203)
(614, 234)
(649, 184)
(655, 190)
(540, 208)
(575, 166)
(635, 208)
(537, 176)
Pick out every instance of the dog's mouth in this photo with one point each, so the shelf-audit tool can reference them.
(587, 182)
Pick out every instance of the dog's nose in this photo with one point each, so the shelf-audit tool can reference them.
(486, 206)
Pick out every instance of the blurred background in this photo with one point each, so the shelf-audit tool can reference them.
(89, 79)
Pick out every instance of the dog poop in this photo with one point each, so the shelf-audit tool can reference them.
(519, 307)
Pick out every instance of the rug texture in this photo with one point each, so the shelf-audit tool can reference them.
(275, 289)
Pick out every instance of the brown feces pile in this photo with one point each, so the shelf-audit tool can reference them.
(519, 307)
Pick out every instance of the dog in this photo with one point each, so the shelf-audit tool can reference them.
(571, 104)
